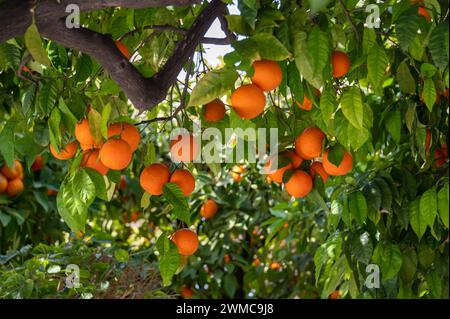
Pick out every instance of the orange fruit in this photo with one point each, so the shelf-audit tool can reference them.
(308, 144)
(344, 167)
(91, 160)
(226, 259)
(51, 191)
(66, 153)
(306, 104)
(275, 265)
(214, 111)
(256, 262)
(15, 187)
(236, 172)
(154, 177)
(184, 179)
(299, 185)
(186, 240)
(3, 183)
(12, 172)
(267, 75)
(317, 168)
(340, 63)
(186, 292)
(335, 294)
(123, 49)
(126, 132)
(38, 163)
(116, 154)
(295, 159)
(123, 183)
(209, 209)
(83, 133)
(276, 174)
(133, 217)
(184, 148)
(424, 13)
(441, 155)
(248, 101)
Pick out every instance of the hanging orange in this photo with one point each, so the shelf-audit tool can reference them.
(184, 148)
(344, 167)
(116, 154)
(308, 144)
(214, 111)
(66, 153)
(341, 63)
(267, 75)
(184, 179)
(248, 101)
(91, 160)
(186, 241)
(209, 209)
(299, 185)
(154, 177)
(126, 132)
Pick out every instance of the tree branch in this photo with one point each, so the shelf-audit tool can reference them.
(143, 92)
(349, 18)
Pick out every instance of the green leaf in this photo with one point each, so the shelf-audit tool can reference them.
(106, 112)
(150, 153)
(407, 26)
(428, 206)
(389, 258)
(319, 47)
(7, 145)
(33, 43)
(361, 246)
(409, 265)
(213, 85)
(405, 79)
(358, 207)
(377, 63)
(294, 81)
(427, 70)
(54, 131)
(305, 61)
(352, 107)
(99, 183)
(393, 123)
(121, 255)
(67, 116)
(269, 47)
(230, 285)
(169, 258)
(47, 98)
(175, 196)
(439, 45)
(145, 200)
(328, 103)
(443, 204)
(237, 24)
(369, 39)
(75, 195)
(336, 154)
(9, 56)
(429, 93)
(95, 125)
(416, 219)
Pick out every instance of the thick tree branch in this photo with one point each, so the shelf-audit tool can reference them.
(143, 92)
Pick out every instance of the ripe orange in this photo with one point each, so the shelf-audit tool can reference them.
(123, 49)
(116, 154)
(236, 172)
(214, 111)
(15, 187)
(209, 209)
(184, 148)
(154, 177)
(3, 183)
(267, 75)
(12, 172)
(66, 153)
(335, 294)
(340, 63)
(441, 155)
(344, 167)
(91, 160)
(186, 241)
(186, 292)
(317, 168)
(51, 191)
(123, 183)
(299, 185)
(256, 262)
(248, 101)
(38, 163)
(126, 132)
(226, 259)
(308, 144)
(184, 179)
(133, 217)
(306, 104)
(83, 134)
(423, 12)
(275, 265)
(295, 159)
(276, 174)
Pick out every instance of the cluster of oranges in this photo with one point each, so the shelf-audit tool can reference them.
(115, 153)
(308, 147)
(11, 179)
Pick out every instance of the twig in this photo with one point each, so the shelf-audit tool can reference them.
(349, 18)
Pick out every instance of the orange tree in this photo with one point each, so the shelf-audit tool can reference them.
(356, 207)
